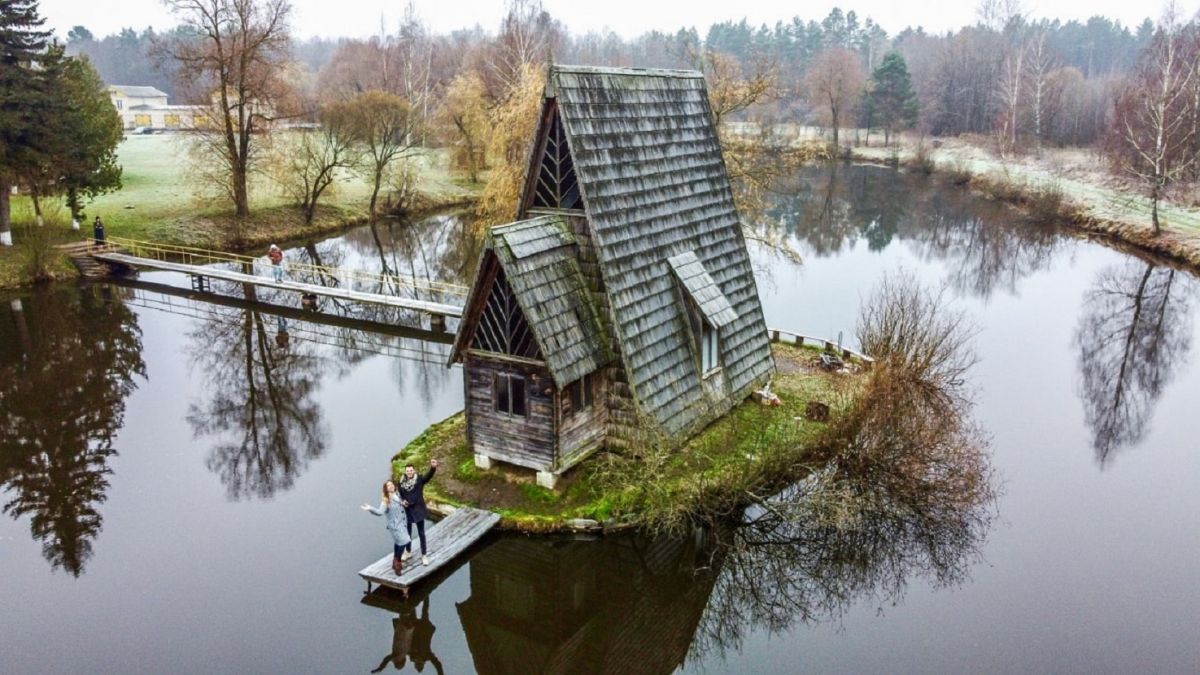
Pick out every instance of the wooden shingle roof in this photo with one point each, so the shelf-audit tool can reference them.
(539, 260)
(654, 185)
(703, 289)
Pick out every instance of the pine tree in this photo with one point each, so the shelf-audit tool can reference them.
(22, 45)
(891, 100)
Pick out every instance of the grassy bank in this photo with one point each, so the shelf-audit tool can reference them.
(159, 203)
(729, 456)
(1070, 186)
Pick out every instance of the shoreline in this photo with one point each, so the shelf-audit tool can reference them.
(63, 271)
(1003, 183)
(751, 448)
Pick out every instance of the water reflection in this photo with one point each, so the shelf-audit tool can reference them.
(832, 207)
(618, 605)
(1133, 336)
(68, 360)
(261, 400)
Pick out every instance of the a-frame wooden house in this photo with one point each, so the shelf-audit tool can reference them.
(624, 295)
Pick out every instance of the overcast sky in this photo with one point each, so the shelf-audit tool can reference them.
(356, 18)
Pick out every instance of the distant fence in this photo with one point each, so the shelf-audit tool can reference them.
(799, 340)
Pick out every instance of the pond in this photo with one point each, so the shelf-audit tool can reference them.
(181, 479)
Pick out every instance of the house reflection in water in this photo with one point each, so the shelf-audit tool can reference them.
(622, 605)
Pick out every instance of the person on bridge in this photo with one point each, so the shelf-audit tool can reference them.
(412, 495)
(397, 524)
(276, 256)
(98, 232)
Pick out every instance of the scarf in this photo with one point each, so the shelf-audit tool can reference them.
(407, 484)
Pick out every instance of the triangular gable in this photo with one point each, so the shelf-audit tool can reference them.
(497, 324)
(529, 267)
(550, 181)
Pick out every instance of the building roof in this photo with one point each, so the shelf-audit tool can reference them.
(700, 285)
(655, 186)
(539, 260)
(138, 91)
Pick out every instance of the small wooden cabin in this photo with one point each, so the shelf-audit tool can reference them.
(623, 296)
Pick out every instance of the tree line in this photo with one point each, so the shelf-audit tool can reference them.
(58, 129)
(366, 105)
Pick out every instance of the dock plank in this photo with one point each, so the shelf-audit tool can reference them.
(240, 277)
(447, 539)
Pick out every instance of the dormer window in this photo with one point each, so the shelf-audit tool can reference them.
(706, 308)
(710, 348)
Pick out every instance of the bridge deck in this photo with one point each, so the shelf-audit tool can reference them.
(243, 278)
(447, 539)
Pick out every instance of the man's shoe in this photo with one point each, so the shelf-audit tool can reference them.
(406, 556)
(424, 560)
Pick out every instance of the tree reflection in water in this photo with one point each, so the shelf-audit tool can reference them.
(261, 401)
(68, 360)
(984, 244)
(1133, 336)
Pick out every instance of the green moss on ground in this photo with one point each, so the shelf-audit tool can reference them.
(733, 453)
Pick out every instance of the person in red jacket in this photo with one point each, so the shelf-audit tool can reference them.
(276, 256)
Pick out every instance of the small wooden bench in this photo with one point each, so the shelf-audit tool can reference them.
(447, 539)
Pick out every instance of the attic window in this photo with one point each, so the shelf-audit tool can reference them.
(502, 328)
(557, 187)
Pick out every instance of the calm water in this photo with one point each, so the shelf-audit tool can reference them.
(181, 482)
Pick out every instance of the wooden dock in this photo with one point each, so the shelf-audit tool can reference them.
(447, 539)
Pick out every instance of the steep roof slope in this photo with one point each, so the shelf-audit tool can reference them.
(655, 186)
(539, 261)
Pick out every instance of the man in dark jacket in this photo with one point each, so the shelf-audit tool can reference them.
(412, 495)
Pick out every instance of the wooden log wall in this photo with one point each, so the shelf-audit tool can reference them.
(525, 441)
(582, 431)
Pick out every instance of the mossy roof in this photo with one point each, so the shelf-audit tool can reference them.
(654, 186)
(539, 260)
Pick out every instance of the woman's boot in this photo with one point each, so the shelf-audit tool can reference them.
(397, 565)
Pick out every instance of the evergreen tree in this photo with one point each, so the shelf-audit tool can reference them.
(82, 132)
(22, 44)
(891, 101)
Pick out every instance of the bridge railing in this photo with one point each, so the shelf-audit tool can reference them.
(339, 276)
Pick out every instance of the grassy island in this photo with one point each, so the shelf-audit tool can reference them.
(611, 490)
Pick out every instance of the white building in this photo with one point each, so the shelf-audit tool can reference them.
(147, 107)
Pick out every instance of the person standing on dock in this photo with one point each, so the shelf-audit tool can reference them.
(275, 254)
(412, 495)
(397, 523)
(98, 232)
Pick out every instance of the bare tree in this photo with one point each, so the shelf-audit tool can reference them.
(311, 159)
(835, 81)
(1153, 127)
(384, 127)
(1010, 85)
(528, 35)
(1042, 64)
(231, 54)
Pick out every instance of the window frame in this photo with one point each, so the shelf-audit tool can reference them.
(710, 348)
(583, 390)
(513, 397)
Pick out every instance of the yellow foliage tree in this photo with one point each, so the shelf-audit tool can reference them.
(463, 119)
(513, 122)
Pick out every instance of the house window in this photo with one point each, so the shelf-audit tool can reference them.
(581, 393)
(508, 393)
(120, 104)
(710, 349)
